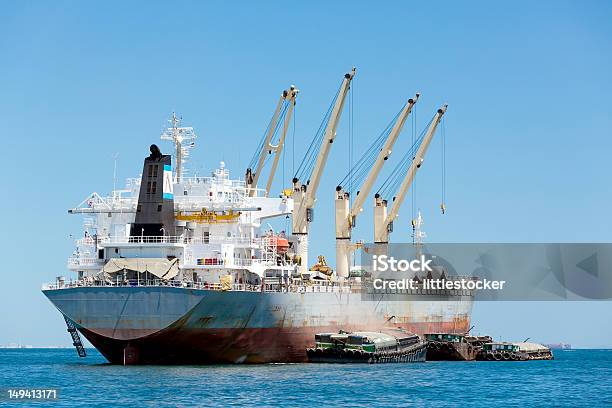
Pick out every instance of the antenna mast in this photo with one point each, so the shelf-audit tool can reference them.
(417, 234)
(115, 156)
(183, 139)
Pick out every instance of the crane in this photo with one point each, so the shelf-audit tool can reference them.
(284, 110)
(304, 195)
(383, 222)
(345, 216)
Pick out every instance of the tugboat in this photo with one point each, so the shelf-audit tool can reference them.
(395, 346)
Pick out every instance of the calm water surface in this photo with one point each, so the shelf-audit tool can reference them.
(574, 378)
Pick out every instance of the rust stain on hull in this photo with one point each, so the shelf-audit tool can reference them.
(179, 345)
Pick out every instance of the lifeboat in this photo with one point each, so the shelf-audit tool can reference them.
(281, 243)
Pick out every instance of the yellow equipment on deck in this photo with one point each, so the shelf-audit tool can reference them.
(226, 282)
(205, 216)
(321, 266)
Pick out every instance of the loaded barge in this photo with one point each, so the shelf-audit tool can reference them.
(522, 351)
(462, 347)
(453, 346)
(391, 346)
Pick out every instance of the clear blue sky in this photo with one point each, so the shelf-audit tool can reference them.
(529, 127)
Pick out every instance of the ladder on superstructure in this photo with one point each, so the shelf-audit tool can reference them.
(269, 253)
(76, 339)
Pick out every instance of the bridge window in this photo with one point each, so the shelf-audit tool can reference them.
(152, 170)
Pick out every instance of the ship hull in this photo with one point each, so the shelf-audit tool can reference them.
(167, 325)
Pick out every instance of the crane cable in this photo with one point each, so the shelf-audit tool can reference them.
(350, 144)
(351, 148)
(292, 148)
(395, 179)
(443, 150)
(274, 140)
(292, 161)
(362, 167)
(413, 192)
(283, 168)
(260, 146)
(308, 161)
(293, 144)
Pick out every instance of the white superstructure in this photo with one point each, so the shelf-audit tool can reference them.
(218, 228)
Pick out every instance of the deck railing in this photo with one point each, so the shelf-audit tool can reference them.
(269, 285)
(323, 287)
(84, 261)
(145, 239)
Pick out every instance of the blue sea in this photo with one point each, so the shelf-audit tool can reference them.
(574, 378)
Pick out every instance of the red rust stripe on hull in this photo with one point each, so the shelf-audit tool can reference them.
(213, 346)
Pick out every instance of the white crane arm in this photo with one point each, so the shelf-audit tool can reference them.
(328, 139)
(253, 174)
(383, 155)
(281, 141)
(414, 166)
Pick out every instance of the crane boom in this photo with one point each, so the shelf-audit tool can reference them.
(304, 195)
(382, 157)
(345, 218)
(382, 221)
(281, 141)
(252, 176)
(328, 139)
(306, 200)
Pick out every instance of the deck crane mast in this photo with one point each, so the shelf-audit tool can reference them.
(304, 195)
(345, 216)
(287, 98)
(383, 222)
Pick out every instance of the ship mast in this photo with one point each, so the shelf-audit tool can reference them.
(183, 139)
(417, 234)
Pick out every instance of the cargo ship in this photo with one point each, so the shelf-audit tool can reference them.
(178, 268)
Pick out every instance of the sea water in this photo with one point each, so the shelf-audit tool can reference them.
(574, 378)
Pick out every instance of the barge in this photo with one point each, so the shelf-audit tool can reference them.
(504, 351)
(395, 346)
(451, 347)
